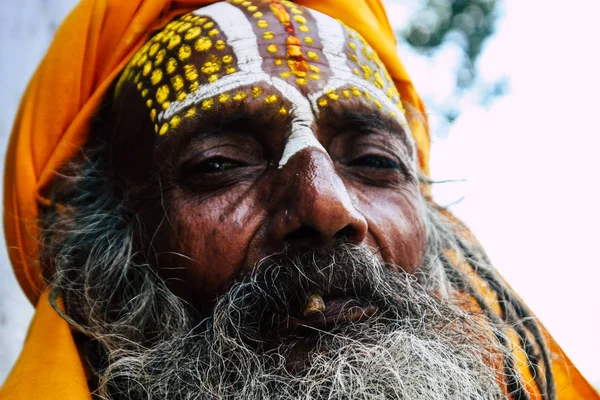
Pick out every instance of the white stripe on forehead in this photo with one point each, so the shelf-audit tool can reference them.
(235, 25)
(332, 36)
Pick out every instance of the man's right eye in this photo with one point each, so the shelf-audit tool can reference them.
(216, 165)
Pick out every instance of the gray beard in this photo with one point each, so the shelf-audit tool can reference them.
(415, 346)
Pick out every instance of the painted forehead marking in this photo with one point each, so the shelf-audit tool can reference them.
(231, 59)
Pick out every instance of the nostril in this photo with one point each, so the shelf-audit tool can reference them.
(347, 233)
(303, 235)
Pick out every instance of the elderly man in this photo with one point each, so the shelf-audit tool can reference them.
(231, 202)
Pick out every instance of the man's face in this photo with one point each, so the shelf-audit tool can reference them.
(274, 127)
(261, 162)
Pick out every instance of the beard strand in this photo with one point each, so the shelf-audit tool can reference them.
(415, 346)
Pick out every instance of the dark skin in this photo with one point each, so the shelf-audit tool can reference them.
(214, 201)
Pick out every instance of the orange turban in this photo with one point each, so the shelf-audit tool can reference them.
(89, 50)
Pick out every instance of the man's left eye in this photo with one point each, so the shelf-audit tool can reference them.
(216, 165)
(375, 161)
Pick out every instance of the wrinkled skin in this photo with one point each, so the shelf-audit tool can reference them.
(226, 200)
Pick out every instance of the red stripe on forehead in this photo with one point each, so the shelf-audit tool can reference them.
(288, 42)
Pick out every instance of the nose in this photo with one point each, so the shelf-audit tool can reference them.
(314, 208)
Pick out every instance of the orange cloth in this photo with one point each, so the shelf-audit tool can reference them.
(89, 50)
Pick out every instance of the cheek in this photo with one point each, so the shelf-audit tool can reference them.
(396, 225)
(207, 243)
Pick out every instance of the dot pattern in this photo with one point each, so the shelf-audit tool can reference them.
(192, 51)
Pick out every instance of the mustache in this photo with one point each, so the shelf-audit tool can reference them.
(278, 288)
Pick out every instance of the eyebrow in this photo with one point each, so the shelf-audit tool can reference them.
(370, 119)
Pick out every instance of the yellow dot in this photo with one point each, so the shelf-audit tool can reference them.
(268, 35)
(283, 110)
(213, 78)
(171, 65)
(312, 55)
(246, 3)
(230, 70)
(223, 97)
(308, 40)
(191, 112)
(378, 103)
(220, 45)
(285, 74)
(162, 93)
(367, 71)
(155, 128)
(303, 28)
(184, 27)
(165, 105)
(367, 95)
(332, 95)
(300, 19)
(271, 99)
(193, 33)
(147, 68)
(227, 59)
(174, 42)
(301, 81)
(393, 114)
(257, 15)
(210, 67)
(154, 49)
(194, 87)
(239, 96)
(356, 71)
(142, 60)
(177, 82)
(153, 114)
(314, 68)
(322, 102)
(252, 8)
(278, 61)
(351, 35)
(190, 72)
(199, 20)
(184, 52)
(378, 80)
(203, 44)
(149, 103)
(255, 92)
(209, 25)
(167, 36)
(262, 24)
(272, 48)
(213, 32)
(353, 57)
(237, 1)
(346, 93)
(160, 56)
(163, 129)
(207, 104)
(352, 45)
(295, 10)
(175, 121)
(137, 78)
(356, 92)
(156, 77)
(140, 86)
(314, 77)
(181, 96)
(145, 93)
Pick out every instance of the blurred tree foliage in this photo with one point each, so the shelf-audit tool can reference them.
(469, 22)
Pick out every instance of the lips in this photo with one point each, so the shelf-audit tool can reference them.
(338, 310)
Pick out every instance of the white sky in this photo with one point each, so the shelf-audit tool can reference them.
(529, 158)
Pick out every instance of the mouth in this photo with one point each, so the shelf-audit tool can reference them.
(337, 310)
